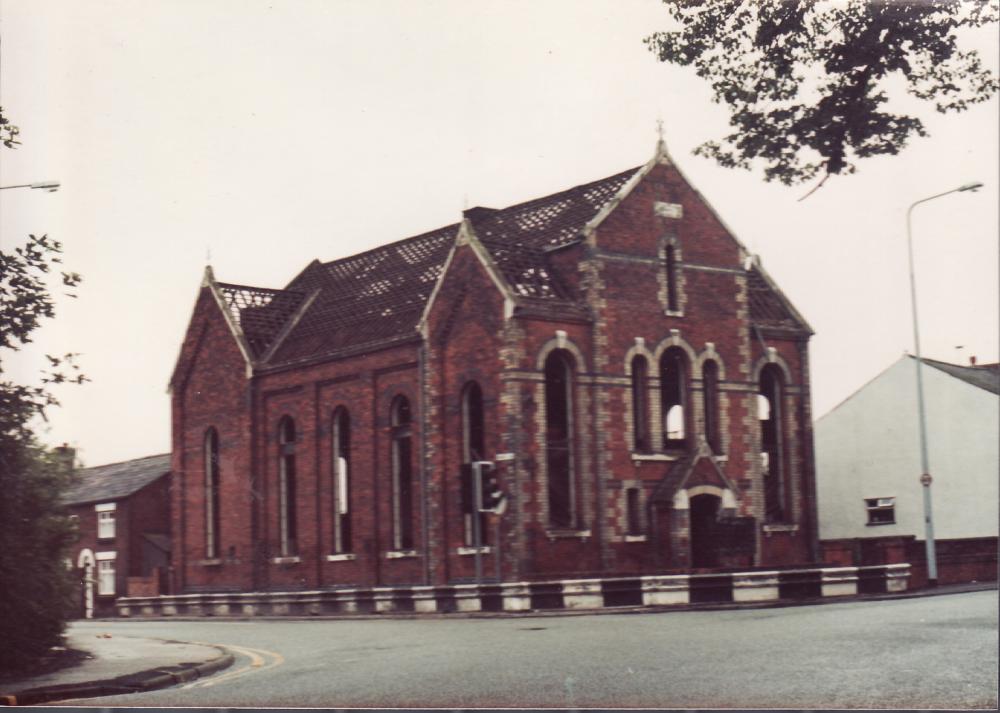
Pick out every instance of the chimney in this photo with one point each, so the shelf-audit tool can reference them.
(972, 361)
(65, 457)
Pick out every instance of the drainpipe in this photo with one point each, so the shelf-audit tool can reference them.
(422, 399)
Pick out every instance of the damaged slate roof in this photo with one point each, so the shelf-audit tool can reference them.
(105, 483)
(768, 307)
(375, 299)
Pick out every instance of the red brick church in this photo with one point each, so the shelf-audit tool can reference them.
(638, 380)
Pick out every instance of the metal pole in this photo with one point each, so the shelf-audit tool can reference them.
(496, 546)
(477, 501)
(925, 474)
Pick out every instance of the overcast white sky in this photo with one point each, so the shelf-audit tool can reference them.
(272, 133)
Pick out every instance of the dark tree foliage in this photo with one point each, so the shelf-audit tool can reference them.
(35, 586)
(808, 83)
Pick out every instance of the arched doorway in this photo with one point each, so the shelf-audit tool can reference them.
(704, 513)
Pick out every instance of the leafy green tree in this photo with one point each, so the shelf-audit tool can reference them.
(808, 82)
(35, 586)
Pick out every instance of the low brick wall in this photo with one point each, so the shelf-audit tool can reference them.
(583, 594)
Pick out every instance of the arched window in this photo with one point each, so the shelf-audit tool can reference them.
(402, 474)
(473, 449)
(287, 525)
(340, 434)
(772, 437)
(670, 268)
(674, 398)
(212, 520)
(559, 438)
(640, 404)
(710, 392)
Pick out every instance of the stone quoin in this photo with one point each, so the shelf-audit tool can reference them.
(636, 377)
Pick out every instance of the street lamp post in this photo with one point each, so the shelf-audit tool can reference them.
(50, 186)
(925, 474)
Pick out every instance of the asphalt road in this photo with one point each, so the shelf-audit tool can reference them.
(930, 652)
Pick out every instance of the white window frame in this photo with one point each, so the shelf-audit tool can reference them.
(106, 573)
(106, 528)
(880, 505)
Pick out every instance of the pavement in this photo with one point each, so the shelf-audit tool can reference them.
(124, 664)
(117, 664)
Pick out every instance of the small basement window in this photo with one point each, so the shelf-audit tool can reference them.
(881, 511)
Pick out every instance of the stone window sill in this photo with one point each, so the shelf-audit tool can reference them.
(400, 554)
(342, 557)
(567, 534)
(673, 312)
(780, 527)
(286, 560)
(661, 457)
(635, 538)
(210, 562)
(485, 550)
(876, 524)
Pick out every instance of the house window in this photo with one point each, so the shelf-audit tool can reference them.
(710, 387)
(632, 512)
(473, 449)
(673, 398)
(402, 474)
(105, 521)
(670, 267)
(640, 404)
(881, 511)
(212, 520)
(106, 573)
(559, 438)
(772, 436)
(287, 525)
(341, 453)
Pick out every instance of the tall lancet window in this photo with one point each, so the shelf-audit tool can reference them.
(287, 515)
(559, 439)
(340, 433)
(212, 483)
(402, 474)
(674, 398)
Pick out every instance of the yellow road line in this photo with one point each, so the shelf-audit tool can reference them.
(258, 662)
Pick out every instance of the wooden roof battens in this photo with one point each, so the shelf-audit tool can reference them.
(289, 326)
(781, 295)
(467, 237)
(234, 327)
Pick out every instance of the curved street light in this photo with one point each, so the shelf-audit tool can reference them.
(50, 186)
(925, 474)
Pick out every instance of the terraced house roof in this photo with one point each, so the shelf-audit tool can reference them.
(105, 483)
(376, 298)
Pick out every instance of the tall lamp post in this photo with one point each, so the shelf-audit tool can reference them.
(925, 474)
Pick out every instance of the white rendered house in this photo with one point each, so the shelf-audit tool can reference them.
(868, 455)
